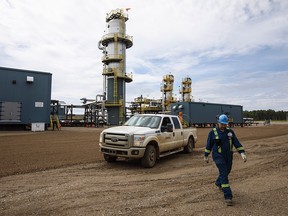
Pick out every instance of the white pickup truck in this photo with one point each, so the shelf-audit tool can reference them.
(147, 137)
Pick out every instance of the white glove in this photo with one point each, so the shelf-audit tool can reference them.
(206, 159)
(244, 157)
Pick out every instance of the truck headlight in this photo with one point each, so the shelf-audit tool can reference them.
(138, 140)
(101, 138)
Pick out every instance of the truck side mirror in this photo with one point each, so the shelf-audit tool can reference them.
(169, 127)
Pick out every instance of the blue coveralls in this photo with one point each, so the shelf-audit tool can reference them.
(221, 144)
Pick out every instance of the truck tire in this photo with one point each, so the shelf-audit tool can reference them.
(190, 145)
(110, 158)
(149, 158)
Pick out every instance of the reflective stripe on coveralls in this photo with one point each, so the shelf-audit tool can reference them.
(240, 148)
(208, 151)
(230, 141)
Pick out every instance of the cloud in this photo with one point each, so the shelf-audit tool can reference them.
(234, 51)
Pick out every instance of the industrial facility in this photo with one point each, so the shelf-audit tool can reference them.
(26, 95)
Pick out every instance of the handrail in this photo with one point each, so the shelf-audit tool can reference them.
(120, 35)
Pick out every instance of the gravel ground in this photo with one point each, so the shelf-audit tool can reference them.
(63, 173)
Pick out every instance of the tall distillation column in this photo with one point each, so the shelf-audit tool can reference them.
(186, 89)
(167, 91)
(114, 44)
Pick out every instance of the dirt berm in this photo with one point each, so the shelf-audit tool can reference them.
(63, 173)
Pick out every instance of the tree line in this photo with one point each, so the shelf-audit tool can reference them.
(259, 115)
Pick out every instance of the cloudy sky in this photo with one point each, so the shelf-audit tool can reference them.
(235, 51)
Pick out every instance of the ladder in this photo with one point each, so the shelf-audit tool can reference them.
(54, 121)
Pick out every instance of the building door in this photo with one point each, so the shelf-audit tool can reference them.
(10, 111)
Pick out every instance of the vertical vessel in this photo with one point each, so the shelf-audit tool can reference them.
(167, 91)
(113, 45)
(186, 89)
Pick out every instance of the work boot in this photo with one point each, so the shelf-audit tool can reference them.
(228, 202)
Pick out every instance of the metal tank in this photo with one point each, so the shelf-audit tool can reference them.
(167, 91)
(186, 89)
(113, 45)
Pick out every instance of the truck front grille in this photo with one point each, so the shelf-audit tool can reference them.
(116, 140)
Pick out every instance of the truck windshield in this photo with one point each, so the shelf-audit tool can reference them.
(144, 121)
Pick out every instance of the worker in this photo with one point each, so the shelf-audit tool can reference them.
(220, 141)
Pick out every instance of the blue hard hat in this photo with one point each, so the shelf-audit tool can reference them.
(223, 119)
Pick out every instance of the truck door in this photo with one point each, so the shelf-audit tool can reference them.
(178, 133)
(166, 138)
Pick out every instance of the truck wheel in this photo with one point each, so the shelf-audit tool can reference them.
(149, 158)
(190, 145)
(110, 158)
